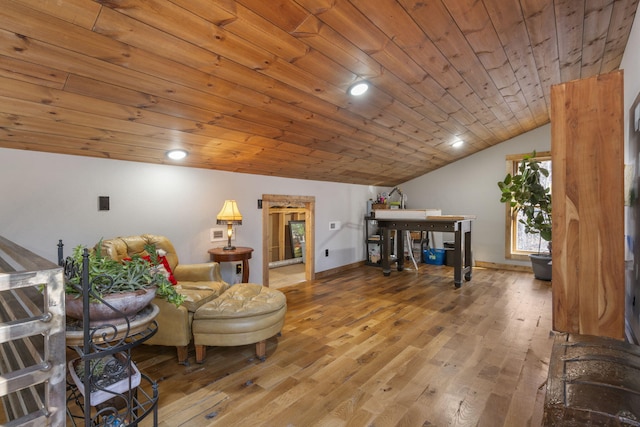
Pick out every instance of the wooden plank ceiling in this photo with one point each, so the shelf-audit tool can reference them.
(257, 86)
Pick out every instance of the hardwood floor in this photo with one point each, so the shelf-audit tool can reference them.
(361, 349)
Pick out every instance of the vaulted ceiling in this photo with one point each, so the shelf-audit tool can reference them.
(260, 86)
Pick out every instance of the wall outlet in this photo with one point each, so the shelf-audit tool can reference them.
(238, 268)
(335, 225)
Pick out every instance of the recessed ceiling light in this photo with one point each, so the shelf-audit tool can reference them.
(358, 88)
(457, 144)
(177, 154)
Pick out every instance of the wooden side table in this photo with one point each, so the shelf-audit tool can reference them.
(238, 254)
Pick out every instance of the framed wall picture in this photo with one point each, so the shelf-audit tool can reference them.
(296, 234)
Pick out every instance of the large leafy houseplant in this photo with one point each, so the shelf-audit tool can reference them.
(108, 276)
(526, 193)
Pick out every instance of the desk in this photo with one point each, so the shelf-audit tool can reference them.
(238, 254)
(460, 225)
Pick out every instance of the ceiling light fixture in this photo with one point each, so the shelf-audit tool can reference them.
(358, 88)
(177, 154)
(457, 144)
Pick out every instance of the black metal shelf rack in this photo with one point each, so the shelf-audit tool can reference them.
(125, 408)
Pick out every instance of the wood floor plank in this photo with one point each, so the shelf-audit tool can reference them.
(361, 349)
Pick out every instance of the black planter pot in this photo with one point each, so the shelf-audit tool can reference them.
(541, 264)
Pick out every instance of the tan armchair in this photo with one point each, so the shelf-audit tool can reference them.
(199, 283)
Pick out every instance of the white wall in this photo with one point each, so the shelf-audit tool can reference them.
(469, 186)
(46, 197)
(631, 66)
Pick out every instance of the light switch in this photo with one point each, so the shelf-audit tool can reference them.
(103, 203)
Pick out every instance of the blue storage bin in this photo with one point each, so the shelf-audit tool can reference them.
(434, 256)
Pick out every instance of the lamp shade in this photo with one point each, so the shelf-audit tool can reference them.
(229, 213)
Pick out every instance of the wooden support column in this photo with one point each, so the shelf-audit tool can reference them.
(587, 148)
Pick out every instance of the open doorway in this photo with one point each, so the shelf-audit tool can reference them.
(304, 209)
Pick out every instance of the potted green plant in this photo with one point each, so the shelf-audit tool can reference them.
(526, 193)
(127, 286)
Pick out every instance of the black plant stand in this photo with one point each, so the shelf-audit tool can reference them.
(119, 338)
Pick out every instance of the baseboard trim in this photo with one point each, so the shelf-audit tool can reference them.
(631, 337)
(325, 273)
(509, 267)
(480, 264)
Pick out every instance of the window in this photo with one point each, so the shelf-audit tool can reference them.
(518, 244)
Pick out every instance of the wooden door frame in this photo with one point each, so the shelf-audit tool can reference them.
(309, 205)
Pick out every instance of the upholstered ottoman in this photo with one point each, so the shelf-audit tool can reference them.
(246, 313)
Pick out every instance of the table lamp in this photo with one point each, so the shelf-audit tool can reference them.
(229, 215)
